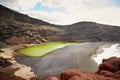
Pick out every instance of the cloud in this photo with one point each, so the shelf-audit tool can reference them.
(102, 11)
(9, 3)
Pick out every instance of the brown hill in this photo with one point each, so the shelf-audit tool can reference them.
(16, 28)
(91, 31)
(9, 14)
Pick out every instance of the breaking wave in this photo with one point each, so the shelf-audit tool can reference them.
(113, 50)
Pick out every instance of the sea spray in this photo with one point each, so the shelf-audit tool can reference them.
(113, 50)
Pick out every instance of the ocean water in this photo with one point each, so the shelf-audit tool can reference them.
(113, 50)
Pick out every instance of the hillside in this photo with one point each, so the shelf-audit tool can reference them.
(17, 28)
(6, 13)
(91, 31)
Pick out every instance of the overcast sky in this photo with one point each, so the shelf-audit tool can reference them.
(69, 11)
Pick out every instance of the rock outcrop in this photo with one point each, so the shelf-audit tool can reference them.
(108, 70)
(14, 71)
(10, 69)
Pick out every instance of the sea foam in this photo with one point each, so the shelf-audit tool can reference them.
(112, 51)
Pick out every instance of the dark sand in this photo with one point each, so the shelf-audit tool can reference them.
(76, 56)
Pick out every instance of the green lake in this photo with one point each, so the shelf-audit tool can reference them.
(44, 49)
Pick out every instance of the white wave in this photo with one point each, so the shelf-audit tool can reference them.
(113, 50)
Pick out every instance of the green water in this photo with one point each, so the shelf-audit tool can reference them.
(44, 49)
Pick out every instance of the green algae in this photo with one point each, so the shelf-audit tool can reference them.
(44, 49)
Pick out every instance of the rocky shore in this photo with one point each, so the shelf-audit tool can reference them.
(73, 61)
(108, 70)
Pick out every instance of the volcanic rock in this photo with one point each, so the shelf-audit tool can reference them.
(10, 69)
(108, 70)
(52, 78)
(4, 62)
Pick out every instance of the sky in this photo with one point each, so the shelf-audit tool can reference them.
(65, 12)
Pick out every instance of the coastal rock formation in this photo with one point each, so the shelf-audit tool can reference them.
(108, 70)
(14, 71)
(4, 76)
(10, 69)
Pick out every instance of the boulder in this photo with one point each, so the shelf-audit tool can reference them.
(108, 70)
